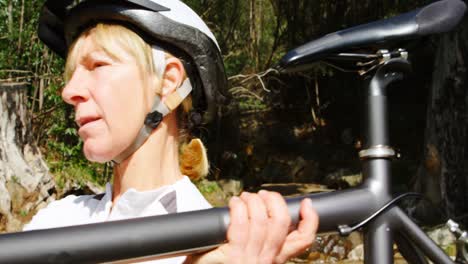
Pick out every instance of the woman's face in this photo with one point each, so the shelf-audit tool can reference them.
(110, 97)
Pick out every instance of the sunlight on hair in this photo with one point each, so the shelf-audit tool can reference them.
(193, 160)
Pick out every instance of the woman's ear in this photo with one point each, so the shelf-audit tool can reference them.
(173, 76)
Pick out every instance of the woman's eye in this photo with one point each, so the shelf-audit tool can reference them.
(99, 64)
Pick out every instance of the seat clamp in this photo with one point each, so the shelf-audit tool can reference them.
(376, 152)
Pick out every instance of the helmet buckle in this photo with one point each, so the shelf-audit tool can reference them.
(153, 119)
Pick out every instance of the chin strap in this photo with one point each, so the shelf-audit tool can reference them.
(153, 119)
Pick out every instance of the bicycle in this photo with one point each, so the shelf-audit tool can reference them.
(372, 201)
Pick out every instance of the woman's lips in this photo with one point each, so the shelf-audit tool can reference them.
(82, 121)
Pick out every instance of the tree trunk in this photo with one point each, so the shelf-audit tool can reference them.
(25, 182)
(443, 174)
(253, 33)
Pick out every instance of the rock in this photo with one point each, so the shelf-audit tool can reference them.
(71, 187)
(342, 179)
(231, 187)
(442, 237)
(338, 252)
(356, 239)
(357, 253)
(314, 256)
(212, 192)
(294, 189)
(353, 180)
(334, 247)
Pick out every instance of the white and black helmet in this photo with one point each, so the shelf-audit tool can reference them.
(169, 24)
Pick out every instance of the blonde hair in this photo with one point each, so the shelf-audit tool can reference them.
(110, 37)
(193, 159)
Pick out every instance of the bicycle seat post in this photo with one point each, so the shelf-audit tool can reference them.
(377, 154)
(376, 140)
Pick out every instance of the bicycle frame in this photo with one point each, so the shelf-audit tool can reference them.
(191, 232)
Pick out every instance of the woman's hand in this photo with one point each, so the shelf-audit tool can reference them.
(259, 231)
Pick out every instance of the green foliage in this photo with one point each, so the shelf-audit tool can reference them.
(235, 63)
(212, 192)
(248, 32)
(251, 103)
(78, 174)
(23, 58)
(207, 187)
(63, 146)
(18, 41)
(23, 213)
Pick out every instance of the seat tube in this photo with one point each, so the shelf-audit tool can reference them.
(377, 153)
(378, 240)
(376, 158)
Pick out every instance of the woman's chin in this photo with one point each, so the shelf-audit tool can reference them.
(96, 153)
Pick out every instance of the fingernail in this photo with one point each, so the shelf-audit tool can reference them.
(262, 192)
(234, 199)
(309, 201)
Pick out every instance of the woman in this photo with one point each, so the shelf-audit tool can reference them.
(140, 75)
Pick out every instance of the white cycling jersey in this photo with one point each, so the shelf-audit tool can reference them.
(179, 197)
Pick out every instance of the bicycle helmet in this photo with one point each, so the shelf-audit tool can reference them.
(169, 24)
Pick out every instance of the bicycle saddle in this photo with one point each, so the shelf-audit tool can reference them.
(437, 17)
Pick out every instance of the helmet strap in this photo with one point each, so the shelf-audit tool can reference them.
(153, 119)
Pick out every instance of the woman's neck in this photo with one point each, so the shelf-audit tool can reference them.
(153, 165)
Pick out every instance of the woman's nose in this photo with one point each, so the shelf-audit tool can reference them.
(76, 89)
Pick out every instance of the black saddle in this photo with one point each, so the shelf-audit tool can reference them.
(437, 17)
